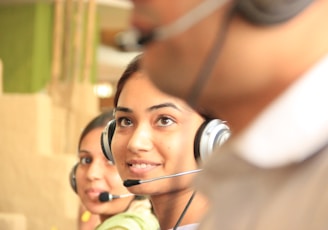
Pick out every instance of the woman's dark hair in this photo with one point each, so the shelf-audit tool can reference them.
(133, 67)
(100, 121)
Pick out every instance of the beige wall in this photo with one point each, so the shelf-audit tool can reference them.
(38, 141)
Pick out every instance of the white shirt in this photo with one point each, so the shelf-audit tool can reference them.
(188, 227)
(293, 127)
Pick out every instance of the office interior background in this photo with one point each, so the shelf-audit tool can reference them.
(59, 66)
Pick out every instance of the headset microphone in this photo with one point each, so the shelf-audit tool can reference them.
(133, 40)
(130, 182)
(106, 196)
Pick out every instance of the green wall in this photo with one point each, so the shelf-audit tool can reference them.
(26, 46)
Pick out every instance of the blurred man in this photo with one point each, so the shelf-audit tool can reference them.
(263, 67)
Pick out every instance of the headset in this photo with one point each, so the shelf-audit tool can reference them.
(259, 12)
(212, 133)
(268, 12)
(72, 178)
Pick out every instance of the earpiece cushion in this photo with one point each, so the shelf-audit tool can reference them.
(106, 140)
(211, 134)
(267, 12)
(72, 178)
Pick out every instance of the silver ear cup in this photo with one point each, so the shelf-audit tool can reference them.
(106, 140)
(214, 134)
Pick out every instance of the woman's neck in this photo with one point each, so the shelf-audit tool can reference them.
(104, 217)
(170, 206)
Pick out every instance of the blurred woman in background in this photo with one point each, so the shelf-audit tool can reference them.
(100, 188)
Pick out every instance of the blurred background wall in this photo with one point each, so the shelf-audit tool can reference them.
(58, 69)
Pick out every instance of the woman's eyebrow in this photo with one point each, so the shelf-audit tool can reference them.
(123, 109)
(163, 105)
(151, 108)
(81, 151)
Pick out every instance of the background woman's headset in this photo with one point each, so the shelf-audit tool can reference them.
(212, 133)
(72, 178)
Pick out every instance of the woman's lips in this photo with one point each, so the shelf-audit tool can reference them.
(93, 193)
(139, 168)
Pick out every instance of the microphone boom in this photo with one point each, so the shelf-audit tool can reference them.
(106, 196)
(130, 182)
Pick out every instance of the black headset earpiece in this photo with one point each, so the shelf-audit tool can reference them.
(106, 140)
(72, 178)
(211, 134)
(267, 12)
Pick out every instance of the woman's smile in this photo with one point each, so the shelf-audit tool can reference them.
(139, 168)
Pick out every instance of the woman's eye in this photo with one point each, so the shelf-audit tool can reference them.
(85, 160)
(124, 122)
(165, 121)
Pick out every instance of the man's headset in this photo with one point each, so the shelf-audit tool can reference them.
(212, 133)
(268, 12)
(260, 12)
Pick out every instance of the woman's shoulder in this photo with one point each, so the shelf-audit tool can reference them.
(131, 221)
(138, 217)
(140, 205)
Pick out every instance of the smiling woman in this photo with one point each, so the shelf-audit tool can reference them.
(154, 139)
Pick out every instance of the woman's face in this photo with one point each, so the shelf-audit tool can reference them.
(95, 175)
(154, 136)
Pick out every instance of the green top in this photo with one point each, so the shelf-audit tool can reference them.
(138, 217)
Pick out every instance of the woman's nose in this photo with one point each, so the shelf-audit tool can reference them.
(95, 171)
(141, 139)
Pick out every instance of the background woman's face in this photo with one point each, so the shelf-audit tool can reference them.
(154, 136)
(95, 175)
